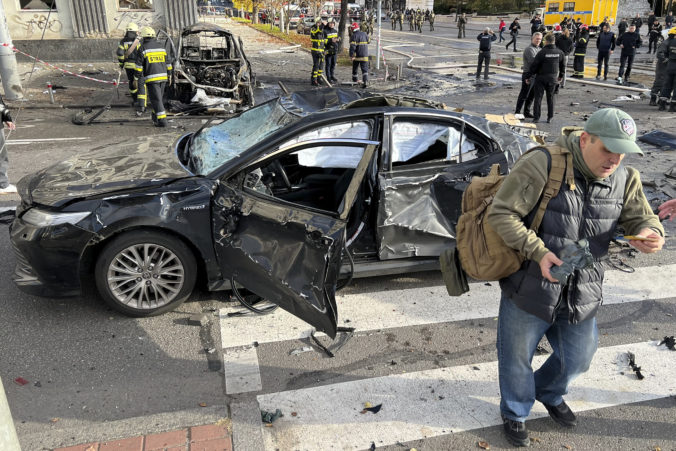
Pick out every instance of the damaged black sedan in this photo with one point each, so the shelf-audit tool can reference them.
(283, 200)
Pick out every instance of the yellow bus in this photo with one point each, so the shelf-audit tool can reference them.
(591, 12)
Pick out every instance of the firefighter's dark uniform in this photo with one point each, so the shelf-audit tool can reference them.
(580, 53)
(669, 85)
(629, 42)
(548, 68)
(359, 52)
(318, 40)
(661, 64)
(331, 48)
(153, 65)
(128, 63)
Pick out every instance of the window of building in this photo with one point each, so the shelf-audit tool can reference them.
(569, 6)
(553, 8)
(38, 4)
(136, 4)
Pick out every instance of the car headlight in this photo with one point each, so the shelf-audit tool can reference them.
(41, 218)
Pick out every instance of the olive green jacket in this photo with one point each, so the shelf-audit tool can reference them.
(521, 191)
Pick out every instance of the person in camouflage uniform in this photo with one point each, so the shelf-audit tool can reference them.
(431, 19)
(419, 20)
(411, 20)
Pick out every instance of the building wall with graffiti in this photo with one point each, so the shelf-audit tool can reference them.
(68, 19)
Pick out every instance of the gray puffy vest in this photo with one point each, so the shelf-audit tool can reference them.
(591, 211)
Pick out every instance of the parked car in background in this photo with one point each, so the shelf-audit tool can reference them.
(283, 200)
(305, 24)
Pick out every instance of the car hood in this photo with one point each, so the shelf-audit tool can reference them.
(133, 164)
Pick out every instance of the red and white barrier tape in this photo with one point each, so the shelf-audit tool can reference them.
(14, 49)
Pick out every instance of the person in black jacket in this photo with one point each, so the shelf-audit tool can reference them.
(637, 22)
(651, 20)
(535, 23)
(580, 52)
(629, 42)
(605, 43)
(669, 85)
(622, 28)
(547, 68)
(564, 43)
(513, 32)
(5, 119)
(485, 39)
(654, 36)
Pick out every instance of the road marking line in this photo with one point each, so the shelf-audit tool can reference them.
(242, 373)
(428, 305)
(437, 402)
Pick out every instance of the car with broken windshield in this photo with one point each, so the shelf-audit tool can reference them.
(283, 200)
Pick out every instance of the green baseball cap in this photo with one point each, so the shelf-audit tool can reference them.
(616, 129)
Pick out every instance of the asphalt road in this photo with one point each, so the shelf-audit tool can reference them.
(94, 374)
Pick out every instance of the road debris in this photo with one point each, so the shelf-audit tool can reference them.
(634, 367)
(203, 404)
(669, 342)
(301, 350)
(483, 445)
(660, 139)
(20, 381)
(270, 417)
(369, 408)
(629, 98)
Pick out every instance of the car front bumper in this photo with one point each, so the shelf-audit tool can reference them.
(48, 259)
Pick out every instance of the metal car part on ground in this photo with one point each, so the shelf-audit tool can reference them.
(283, 199)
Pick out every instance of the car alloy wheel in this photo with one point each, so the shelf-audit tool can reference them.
(145, 273)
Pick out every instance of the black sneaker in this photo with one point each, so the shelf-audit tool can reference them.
(527, 115)
(516, 432)
(562, 414)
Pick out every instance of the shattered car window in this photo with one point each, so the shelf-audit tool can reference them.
(221, 143)
(421, 142)
(332, 157)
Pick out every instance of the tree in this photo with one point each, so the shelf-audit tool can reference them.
(342, 24)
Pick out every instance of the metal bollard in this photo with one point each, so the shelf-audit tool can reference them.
(51, 91)
(9, 441)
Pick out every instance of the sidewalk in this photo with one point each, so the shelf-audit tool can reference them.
(210, 437)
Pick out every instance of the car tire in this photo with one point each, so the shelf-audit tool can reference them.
(145, 273)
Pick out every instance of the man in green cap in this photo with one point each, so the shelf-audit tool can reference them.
(598, 194)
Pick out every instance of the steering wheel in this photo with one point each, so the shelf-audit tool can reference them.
(279, 169)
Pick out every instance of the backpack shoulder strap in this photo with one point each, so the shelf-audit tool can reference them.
(561, 167)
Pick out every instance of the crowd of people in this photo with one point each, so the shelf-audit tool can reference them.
(545, 59)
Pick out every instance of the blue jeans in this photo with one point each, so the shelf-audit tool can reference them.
(519, 333)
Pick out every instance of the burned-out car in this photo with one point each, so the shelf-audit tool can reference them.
(283, 200)
(211, 58)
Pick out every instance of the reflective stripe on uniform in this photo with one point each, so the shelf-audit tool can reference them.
(156, 77)
(161, 115)
(129, 65)
(361, 58)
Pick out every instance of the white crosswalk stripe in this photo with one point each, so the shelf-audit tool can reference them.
(429, 305)
(453, 399)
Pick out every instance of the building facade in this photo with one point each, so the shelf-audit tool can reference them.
(68, 19)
